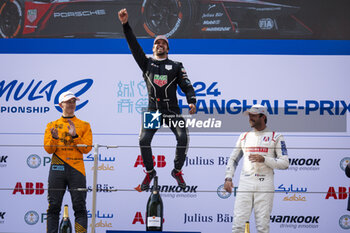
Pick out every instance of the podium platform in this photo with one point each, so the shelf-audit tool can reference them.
(115, 231)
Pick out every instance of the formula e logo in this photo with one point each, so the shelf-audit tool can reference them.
(31, 15)
(33, 161)
(38, 91)
(31, 217)
(344, 222)
(160, 80)
(266, 24)
(151, 120)
(344, 162)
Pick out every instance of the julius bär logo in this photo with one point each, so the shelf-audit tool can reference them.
(151, 120)
(33, 161)
(31, 217)
(106, 188)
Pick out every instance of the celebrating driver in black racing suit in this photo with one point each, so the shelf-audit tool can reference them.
(162, 76)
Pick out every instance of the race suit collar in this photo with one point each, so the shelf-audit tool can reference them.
(160, 59)
(70, 117)
(261, 131)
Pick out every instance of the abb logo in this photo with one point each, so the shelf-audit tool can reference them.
(342, 194)
(138, 218)
(29, 188)
(160, 161)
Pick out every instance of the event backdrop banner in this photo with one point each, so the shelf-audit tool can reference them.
(244, 19)
(308, 102)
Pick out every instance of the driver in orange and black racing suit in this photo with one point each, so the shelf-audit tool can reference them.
(67, 166)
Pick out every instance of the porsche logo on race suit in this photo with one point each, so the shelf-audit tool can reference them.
(160, 80)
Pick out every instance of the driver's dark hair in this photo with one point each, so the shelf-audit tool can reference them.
(260, 115)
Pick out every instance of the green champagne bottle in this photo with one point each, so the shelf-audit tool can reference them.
(154, 209)
(65, 225)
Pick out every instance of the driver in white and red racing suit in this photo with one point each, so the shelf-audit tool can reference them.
(262, 151)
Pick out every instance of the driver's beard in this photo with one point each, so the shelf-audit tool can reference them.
(161, 54)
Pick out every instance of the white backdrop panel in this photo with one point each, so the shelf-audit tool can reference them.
(114, 100)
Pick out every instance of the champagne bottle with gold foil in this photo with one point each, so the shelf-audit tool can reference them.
(246, 230)
(154, 209)
(65, 225)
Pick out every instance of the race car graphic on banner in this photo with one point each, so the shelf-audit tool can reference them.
(173, 18)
